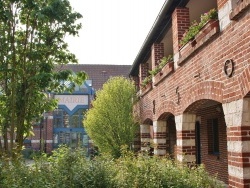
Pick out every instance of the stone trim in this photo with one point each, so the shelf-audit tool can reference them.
(239, 172)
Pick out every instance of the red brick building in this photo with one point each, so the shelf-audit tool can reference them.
(196, 108)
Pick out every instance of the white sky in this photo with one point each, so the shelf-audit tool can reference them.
(113, 31)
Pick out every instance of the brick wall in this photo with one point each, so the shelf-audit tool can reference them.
(157, 53)
(43, 133)
(136, 81)
(221, 3)
(181, 22)
(214, 163)
(143, 73)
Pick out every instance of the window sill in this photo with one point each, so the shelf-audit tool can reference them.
(214, 154)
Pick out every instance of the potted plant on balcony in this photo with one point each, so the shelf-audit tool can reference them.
(196, 27)
(163, 69)
(159, 67)
(146, 83)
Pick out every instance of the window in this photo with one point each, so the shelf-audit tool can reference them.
(71, 139)
(213, 136)
(68, 128)
(63, 119)
(58, 118)
(76, 119)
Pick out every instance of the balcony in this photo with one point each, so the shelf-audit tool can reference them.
(204, 35)
(165, 71)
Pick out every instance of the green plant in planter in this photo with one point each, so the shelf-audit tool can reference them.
(210, 15)
(162, 63)
(195, 27)
(192, 31)
(146, 80)
(157, 69)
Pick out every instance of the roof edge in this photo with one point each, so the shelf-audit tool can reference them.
(165, 7)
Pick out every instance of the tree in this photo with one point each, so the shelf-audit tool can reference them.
(110, 123)
(32, 43)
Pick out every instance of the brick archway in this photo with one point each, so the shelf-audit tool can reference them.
(148, 121)
(205, 90)
(166, 106)
(243, 82)
(148, 114)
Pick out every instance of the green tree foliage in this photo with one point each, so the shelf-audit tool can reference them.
(32, 43)
(110, 122)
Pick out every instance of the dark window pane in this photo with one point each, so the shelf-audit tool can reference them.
(213, 136)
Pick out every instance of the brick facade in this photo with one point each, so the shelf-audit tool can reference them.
(144, 68)
(43, 135)
(181, 22)
(157, 53)
(211, 80)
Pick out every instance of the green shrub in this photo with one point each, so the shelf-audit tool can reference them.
(70, 168)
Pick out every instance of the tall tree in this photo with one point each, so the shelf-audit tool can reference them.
(110, 123)
(32, 43)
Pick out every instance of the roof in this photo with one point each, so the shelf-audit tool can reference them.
(161, 25)
(99, 73)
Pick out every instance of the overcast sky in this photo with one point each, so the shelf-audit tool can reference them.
(113, 31)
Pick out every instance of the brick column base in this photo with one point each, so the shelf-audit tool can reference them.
(145, 137)
(185, 126)
(160, 137)
(237, 118)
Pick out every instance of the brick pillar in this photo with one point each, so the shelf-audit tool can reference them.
(136, 80)
(144, 68)
(145, 137)
(185, 127)
(237, 117)
(160, 137)
(180, 23)
(157, 53)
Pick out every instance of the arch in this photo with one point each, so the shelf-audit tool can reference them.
(164, 116)
(210, 90)
(166, 106)
(148, 121)
(207, 134)
(202, 103)
(148, 114)
(243, 82)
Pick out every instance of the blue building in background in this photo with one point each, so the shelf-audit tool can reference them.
(68, 117)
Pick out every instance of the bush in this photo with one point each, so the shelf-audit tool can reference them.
(68, 168)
